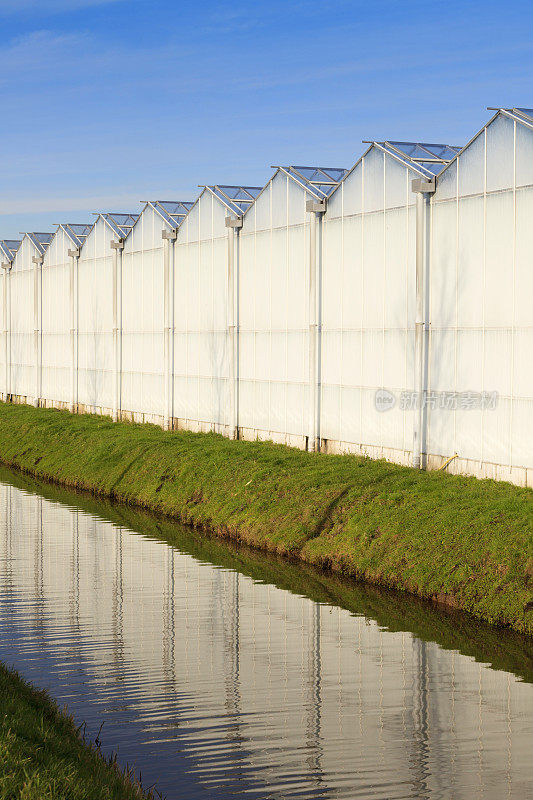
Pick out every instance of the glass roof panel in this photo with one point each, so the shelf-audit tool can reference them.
(43, 238)
(12, 244)
(427, 157)
(321, 180)
(124, 220)
(237, 198)
(79, 229)
(174, 207)
(527, 111)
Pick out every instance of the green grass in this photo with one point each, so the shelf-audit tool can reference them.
(449, 628)
(464, 542)
(43, 756)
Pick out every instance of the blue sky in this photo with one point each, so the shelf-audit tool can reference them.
(108, 102)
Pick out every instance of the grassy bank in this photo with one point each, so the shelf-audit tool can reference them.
(396, 611)
(43, 756)
(464, 542)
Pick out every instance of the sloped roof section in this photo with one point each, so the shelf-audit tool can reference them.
(321, 181)
(8, 248)
(524, 115)
(76, 231)
(427, 158)
(236, 198)
(120, 223)
(40, 240)
(173, 211)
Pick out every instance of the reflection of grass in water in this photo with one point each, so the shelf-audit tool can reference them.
(464, 541)
(43, 755)
(452, 630)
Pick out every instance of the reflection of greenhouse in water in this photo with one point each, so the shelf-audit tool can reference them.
(259, 690)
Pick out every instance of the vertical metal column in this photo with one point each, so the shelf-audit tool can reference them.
(234, 225)
(169, 237)
(117, 247)
(423, 188)
(74, 256)
(37, 329)
(316, 209)
(6, 329)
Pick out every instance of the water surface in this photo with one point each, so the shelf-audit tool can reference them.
(218, 672)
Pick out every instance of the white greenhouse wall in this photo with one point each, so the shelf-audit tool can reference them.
(201, 366)
(22, 340)
(478, 315)
(368, 308)
(481, 310)
(4, 333)
(274, 314)
(56, 321)
(95, 320)
(143, 318)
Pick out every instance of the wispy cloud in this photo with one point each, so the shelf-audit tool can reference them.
(50, 6)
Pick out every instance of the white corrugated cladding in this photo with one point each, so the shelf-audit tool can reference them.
(56, 315)
(274, 312)
(143, 301)
(201, 367)
(4, 329)
(95, 318)
(284, 312)
(368, 305)
(25, 318)
(481, 290)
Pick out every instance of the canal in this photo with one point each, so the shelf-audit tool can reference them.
(219, 672)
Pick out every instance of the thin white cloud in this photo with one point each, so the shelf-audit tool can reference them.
(49, 6)
(32, 205)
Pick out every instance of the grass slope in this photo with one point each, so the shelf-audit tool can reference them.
(43, 756)
(464, 542)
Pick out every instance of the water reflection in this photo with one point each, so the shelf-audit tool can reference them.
(215, 685)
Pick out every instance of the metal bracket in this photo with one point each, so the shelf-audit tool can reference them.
(424, 185)
(234, 222)
(37, 260)
(315, 206)
(117, 245)
(7, 265)
(171, 235)
(74, 253)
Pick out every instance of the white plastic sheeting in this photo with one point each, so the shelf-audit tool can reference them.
(95, 320)
(481, 310)
(274, 313)
(154, 334)
(368, 306)
(56, 365)
(201, 366)
(143, 300)
(23, 326)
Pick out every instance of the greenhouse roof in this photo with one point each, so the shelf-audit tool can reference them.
(428, 158)
(120, 223)
(321, 181)
(76, 231)
(9, 248)
(520, 114)
(236, 198)
(172, 211)
(40, 240)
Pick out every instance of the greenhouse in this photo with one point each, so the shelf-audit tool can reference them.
(205, 309)
(279, 268)
(384, 310)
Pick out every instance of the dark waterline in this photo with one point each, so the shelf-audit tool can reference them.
(220, 672)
